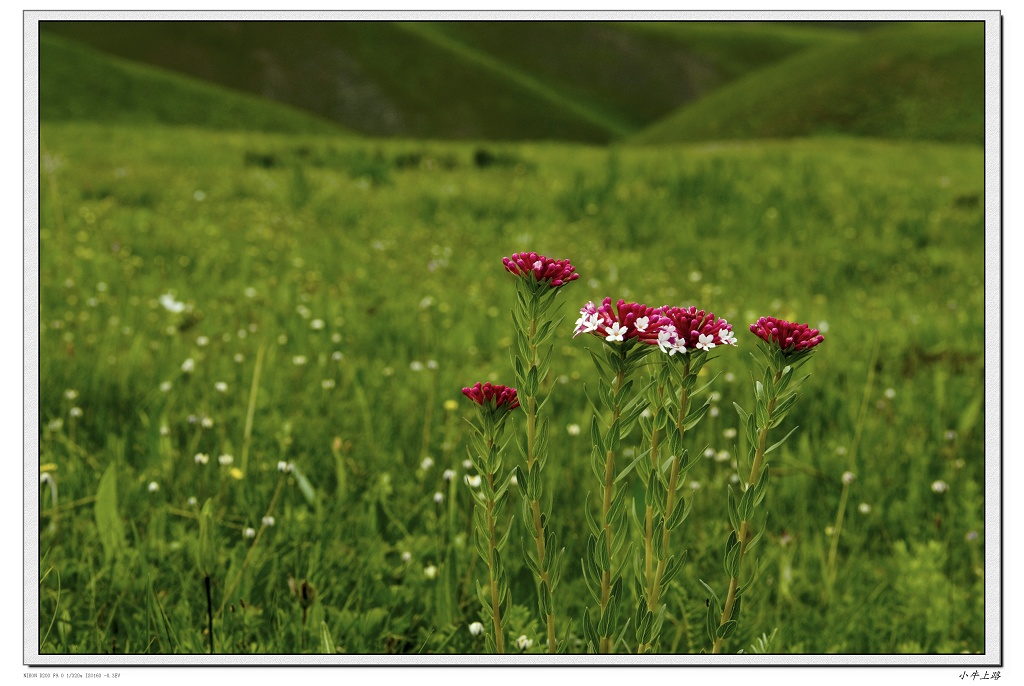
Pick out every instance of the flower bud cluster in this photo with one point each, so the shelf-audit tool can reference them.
(491, 395)
(790, 337)
(672, 329)
(544, 269)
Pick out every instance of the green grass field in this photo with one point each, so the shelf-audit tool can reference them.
(227, 284)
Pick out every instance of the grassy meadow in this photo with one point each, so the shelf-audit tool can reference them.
(214, 302)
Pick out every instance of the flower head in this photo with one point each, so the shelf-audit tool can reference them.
(492, 396)
(553, 272)
(687, 328)
(620, 323)
(476, 628)
(789, 337)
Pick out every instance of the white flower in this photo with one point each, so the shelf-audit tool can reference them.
(430, 571)
(202, 458)
(695, 485)
(416, 366)
(188, 366)
(165, 430)
(427, 463)
(705, 341)
(170, 304)
(250, 292)
(709, 452)
(439, 497)
(221, 387)
(864, 508)
(448, 474)
(70, 394)
(225, 460)
(473, 481)
(523, 643)
(950, 435)
(45, 478)
(327, 384)
(722, 456)
(940, 487)
(56, 424)
(316, 324)
(713, 411)
(467, 464)
(268, 521)
(283, 466)
(336, 356)
(206, 422)
(615, 332)
(726, 337)
(406, 556)
(249, 532)
(848, 478)
(890, 393)
(573, 429)
(476, 628)
(729, 433)
(641, 323)
(202, 341)
(299, 360)
(192, 501)
(431, 364)
(239, 358)
(587, 322)
(729, 377)
(75, 411)
(667, 340)
(153, 487)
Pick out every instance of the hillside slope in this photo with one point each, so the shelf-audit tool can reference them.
(917, 81)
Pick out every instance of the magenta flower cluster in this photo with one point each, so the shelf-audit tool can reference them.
(790, 337)
(544, 269)
(672, 329)
(492, 395)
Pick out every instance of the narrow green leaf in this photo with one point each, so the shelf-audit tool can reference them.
(305, 487)
(108, 521)
(776, 445)
(326, 644)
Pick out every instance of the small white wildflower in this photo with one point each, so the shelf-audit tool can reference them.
(153, 487)
(282, 339)
(283, 466)
(431, 364)
(199, 196)
(615, 332)
(56, 424)
(165, 430)
(192, 501)
(202, 458)
(722, 456)
(439, 497)
(524, 643)
(304, 311)
(448, 474)
(299, 360)
(727, 337)
(327, 384)
(416, 366)
(864, 508)
(249, 532)
(695, 485)
(476, 628)
(822, 326)
(316, 324)
(729, 433)
(206, 422)
(829, 530)
(220, 387)
(890, 393)
(427, 463)
(940, 487)
(335, 337)
(848, 478)
(641, 323)
(950, 435)
(241, 333)
(426, 302)
(729, 377)
(696, 276)
(225, 460)
(406, 556)
(250, 292)
(188, 366)
(202, 341)
(45, 478)
(101, 287)
(573, 429)
(467, 464)
(170, 304)
(714, 411)
(705, 341)
(430, 571)
(734, 479)
(709, 453)
(239, 358)
(473, 481)
(336, 356)
(387, 371)
(840, 450)
(70, 394)
(75, 411)
(268, 520)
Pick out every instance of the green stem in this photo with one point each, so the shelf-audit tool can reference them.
(743, 533)
(499, 637)
(606, 506)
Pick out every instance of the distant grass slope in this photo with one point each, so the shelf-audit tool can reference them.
(917, 81)
(77, 83)
(582, 81)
